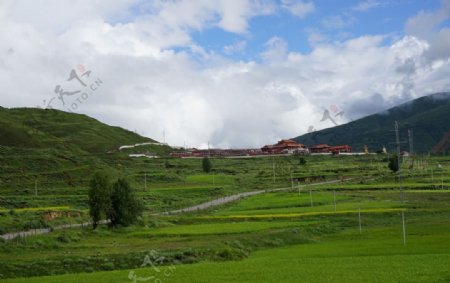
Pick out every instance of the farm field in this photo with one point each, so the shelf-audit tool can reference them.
(375, 256)
(341, 232)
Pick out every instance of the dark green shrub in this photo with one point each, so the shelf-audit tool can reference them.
(206, 164)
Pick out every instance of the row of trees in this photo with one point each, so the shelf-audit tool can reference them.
(116, 202)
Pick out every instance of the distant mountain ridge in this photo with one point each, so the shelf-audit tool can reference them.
(428, 117)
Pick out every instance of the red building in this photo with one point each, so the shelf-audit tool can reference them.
(285, 147)
(215, 152)
(340, 149)
(324, 148)
(320, 148)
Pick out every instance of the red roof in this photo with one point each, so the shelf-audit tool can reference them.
(321, 146)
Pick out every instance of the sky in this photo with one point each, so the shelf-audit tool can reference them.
(231, 73)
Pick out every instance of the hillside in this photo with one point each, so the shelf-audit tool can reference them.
(428, 117)
(60, 148)
(38, 128)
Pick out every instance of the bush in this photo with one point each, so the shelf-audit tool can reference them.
(63, 238)
(108, 266)
(393, 164)
(229, 253)
(206, 164)
(302, 161)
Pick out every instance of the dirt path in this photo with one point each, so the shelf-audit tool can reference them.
(235, 197)
(202, 206)
(10, 236)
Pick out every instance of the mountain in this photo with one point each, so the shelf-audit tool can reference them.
(428, 117)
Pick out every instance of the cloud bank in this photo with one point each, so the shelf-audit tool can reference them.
(156, 78)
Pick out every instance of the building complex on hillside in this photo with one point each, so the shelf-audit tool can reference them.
(285, 147)
(282, 147)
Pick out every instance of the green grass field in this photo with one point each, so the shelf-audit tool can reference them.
(303, 234)
(376, 255)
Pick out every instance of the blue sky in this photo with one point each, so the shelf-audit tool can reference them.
(335, 20)
(234, 73)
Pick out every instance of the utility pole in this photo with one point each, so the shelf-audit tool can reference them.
(334, 197)
(273, 170)
(310, 197)
(292, 182)
(145, 181)
(432, 177)
(359, 217)
(209, 151)
(404, 228)
(35, 187)
(410, 139)
(164, 135)
(411, 147)
(397, 142)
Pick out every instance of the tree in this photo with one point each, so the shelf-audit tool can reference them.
(99, 197)
(302, 161)
(125, 206)
(393, 163)
(206, 164)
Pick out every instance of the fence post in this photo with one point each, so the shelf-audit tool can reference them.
(359, 216)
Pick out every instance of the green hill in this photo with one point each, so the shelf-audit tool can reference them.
(38, 128)
(428, 117)
(61, 149)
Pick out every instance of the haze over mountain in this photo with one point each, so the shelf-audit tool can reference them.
(428, 117)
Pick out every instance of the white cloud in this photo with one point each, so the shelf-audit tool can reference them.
(315, 36)
(54, 16)
(298, 8)
(198, 96)
(338, 22)
(276, 50)
(367, 5)
(236, 47)
(424, 23)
